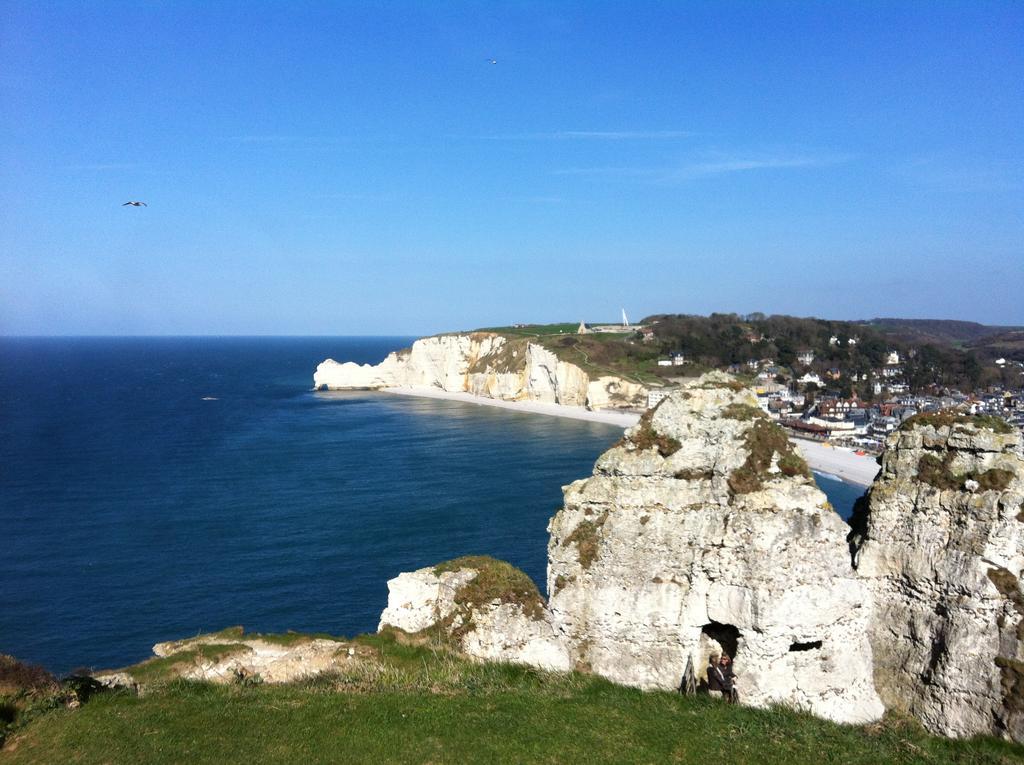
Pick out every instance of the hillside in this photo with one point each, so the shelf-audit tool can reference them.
(938, 331)
(938, 353)
(422, 704)
(1008, 344)
(596, 354)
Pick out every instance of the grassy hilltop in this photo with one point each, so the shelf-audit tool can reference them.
(616, 354)
(421, 704)
(932, 353)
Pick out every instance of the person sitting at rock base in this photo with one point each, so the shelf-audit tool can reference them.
(721, 677)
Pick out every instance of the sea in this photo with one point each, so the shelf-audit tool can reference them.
(157, 488)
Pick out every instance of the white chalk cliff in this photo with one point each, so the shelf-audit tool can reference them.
(940, 541)
(702, 529)
(485, 364)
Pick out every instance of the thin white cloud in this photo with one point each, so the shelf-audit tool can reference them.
(744, 164)
(624, 172)
(718, 165)
(594, 135)
(288, 140)
(103, 166)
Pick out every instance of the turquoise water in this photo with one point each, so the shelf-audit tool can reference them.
(133, 510)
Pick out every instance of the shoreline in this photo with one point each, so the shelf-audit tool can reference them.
(623, 419)
(834, 461)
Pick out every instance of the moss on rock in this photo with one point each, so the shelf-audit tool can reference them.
(734, 385)
(949, 417)
(743, 412)
(764, 439)
(644, 436)
(938, 472)
(494, 580)
(586, 537)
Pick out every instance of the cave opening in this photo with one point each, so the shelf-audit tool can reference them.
(726, 635)
(715, 638)
(811, 645)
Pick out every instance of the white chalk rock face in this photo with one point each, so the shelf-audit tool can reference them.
(420, 599)
(330, 375)
(701, 530)
(940, 540)
(484, 364)
(487, 623)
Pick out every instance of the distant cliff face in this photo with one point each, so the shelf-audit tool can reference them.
(485, 364)
(701, 530)
(940, 541)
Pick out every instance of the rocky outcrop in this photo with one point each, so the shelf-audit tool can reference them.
(701, 530)
(490, 609)
(940, 541)
(230, 656)
(485, 364)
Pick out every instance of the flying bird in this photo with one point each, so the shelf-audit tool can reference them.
(135, 204)
(492, 61)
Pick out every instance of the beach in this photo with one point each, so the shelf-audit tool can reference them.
(839, 462)
(623, 419)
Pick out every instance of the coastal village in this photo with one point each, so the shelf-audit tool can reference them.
(802, 402)
(806, 396)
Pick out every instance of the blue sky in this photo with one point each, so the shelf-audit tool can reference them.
(330, 168)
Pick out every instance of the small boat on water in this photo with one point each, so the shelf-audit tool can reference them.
(210, 398)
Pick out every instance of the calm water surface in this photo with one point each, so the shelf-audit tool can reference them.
(135, 509)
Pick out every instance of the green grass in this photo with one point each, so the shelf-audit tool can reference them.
(165, 667)
(533, 330)
(434, 708)
(293, 638)
(234, 634)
